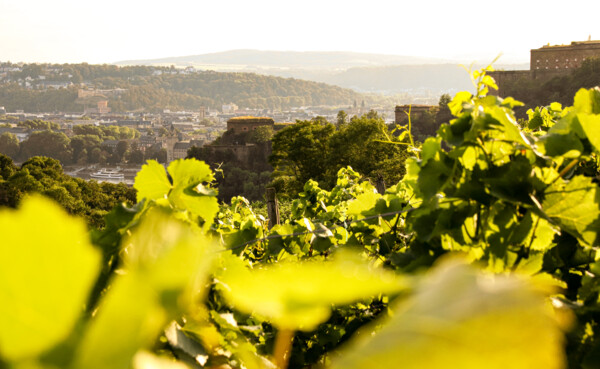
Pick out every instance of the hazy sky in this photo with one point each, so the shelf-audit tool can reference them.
(112, 30)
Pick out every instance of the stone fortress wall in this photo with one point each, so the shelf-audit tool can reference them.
(548, 62)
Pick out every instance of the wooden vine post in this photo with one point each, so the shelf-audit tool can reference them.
(272, 207)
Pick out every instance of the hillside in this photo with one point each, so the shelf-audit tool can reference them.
(362, 72)
(147, 88)
(286, 59)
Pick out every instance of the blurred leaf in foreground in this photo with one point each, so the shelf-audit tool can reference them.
(166, 266)
(47, 267)
(461, 318)
(299, 295)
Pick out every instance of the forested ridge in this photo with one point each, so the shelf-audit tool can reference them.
(157, 88)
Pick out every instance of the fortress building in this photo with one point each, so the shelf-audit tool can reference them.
(416, 112)
(548, 62)
(248, 124)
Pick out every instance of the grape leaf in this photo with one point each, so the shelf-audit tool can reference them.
(299, 295)
(151, 182)
(591, 126)
(166, 265)
(186, 192)
(460, 318)
(575, 206)
(47, 268)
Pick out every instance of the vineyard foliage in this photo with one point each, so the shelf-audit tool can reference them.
(483, 255)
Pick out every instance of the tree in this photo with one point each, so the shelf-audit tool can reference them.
(320, 119)
(47, 143)
(9, 144)
(159, 155)
(39, 124)
(342, 119)
(300, 153)
(309, 150)
(122, 148)
(261, 134)
(82, 145)
(136, 157)
(7, 167)
(360, 144)
(443, 114)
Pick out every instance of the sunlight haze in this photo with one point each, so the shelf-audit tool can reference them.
(109, 31)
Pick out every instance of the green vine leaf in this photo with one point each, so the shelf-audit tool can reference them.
(299, 295)
(461, 318)
(47, 268)
(575, 206)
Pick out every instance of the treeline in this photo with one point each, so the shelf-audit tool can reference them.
(307, 150)
(317, 150)
(154, 89)
(14, 97)
(91, 200)
(84, 147)
(560, 89)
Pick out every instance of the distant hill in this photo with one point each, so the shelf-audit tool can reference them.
(156, 88)
(286, 59)
(378, 73)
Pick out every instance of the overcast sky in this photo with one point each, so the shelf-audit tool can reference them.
(69, 31)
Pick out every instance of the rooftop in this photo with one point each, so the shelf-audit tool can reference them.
(574, 43)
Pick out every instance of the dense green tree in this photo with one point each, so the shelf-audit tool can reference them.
(45, 176)
(122, 148)
(7, 167)
(136, 157)
(38, 124)
(84, 129)
(342, 119)
(362, 145)
(310, 150)
(300, 153)
(47, 143)
(443, 114)
(261, 134)
(9, 144)
(159, 155)
(82, 145)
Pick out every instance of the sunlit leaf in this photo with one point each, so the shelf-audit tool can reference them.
(460, 318)
(166, 265)
(591, 126)
(575, 206)
(300, 295)
(151, 182)
(47, 267)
